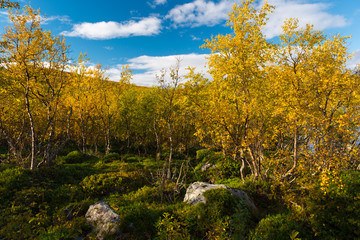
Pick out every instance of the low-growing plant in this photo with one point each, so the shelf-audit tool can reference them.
(111, 157)
(335, 210)
(222, 216)
(72, 157)
(282, 227)
(101, 184)
(171, 228)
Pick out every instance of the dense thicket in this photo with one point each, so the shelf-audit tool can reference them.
(285, 114)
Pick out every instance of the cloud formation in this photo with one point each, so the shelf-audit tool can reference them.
(108, 30)
(200, 12)
(150, 66)
(355, 60)
(313, 13)
(160, 2)
(63, 19)
(209, 13)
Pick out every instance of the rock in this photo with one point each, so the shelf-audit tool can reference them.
(205, 167)
(103, 218)
(195, 194)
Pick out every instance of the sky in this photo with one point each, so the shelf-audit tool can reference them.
(150, 35)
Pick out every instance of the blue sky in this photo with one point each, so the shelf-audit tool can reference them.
(149, 34)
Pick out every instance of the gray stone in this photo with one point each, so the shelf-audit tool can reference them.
(103, 218)
(195, 194)
(205, 167)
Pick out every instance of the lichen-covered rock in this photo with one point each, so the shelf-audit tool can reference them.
(195, 193)
(103, 218)
(206, 166)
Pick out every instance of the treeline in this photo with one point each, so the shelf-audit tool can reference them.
(281, 110)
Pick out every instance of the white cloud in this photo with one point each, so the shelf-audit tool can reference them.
(313, 13)
(4, 16)
(355, 60)
(63, 19)
(160, 2)
(109, 30)
(209, 13)
(193, 37)
(200, 12)
(151, 66)
(109, 48)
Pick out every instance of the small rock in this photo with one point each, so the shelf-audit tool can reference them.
(195, 194)
(205, 167)
(103, 218)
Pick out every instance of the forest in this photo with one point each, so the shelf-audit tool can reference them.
(278, 120)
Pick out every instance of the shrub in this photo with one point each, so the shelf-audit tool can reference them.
(111, 157)
(73, 157)
(4, 166)
(220, 166)
(281, 227)
(76, 209)
(129, 158)
(222, 217)
(170, 228)
(101, 184)
(145, 194)
(74, 229)
(335, 214)
(203, 154)
(138, 220)
(12, 180)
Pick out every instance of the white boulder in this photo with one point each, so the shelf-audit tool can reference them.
(103, 218)
(195, 194)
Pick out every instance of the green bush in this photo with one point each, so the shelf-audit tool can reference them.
(12, 180)
(170, 228)
(66, 174)
(101, 184)
(281, 227)
(139, 220)
(111, 157)
(145, 194)
(73, 157)
(336, 213)
(139, 211)
(221, 167)
(75, 229)
(203, 154)
(222, 217)
(130, 158)
(4, 166)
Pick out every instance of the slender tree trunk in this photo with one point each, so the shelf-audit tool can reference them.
(12, 147)
(170, 151)
(295, 154)
(108, 146)
(33, 160)
(83, 131)
(158, 150)
(253, 161)
(242, 169)
(48, 156)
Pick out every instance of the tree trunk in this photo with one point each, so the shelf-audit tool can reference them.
(33, 160)
(158, 149)
(170, 151)
(254, 163)
(108, 145)
(295, 154)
